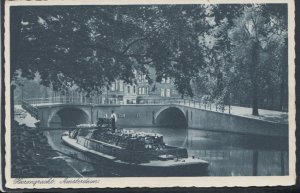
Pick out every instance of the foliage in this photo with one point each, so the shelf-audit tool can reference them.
(254, 37)
(91, 46)
(220, 52)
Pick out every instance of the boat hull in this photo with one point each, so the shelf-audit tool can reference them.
(106, 165)
(163, 171)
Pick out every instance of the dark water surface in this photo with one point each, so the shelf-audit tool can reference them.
(228, 154)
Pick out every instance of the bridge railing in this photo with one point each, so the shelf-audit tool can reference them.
(71, 100)
(186, 102)
(113, 101)
(33, 111)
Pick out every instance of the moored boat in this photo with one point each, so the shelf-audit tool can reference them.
(132, 153)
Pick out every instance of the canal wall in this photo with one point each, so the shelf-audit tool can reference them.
(218, 121)
(148, 116)
(142, 116)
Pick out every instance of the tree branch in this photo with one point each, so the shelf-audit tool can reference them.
(131, 43)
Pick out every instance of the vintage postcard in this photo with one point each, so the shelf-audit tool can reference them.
(149, 93)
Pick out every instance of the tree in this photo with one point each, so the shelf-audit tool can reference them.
(252, 36)
(218, 77)
(221, 49)
(278, 47)
(91, 46)
(63, 46)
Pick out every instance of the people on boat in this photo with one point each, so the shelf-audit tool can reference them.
(113, 118)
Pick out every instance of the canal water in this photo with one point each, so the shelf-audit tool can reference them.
(228, 154)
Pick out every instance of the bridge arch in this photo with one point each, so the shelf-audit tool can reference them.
(68, 116)
(171, 116)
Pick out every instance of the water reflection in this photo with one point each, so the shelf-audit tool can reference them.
(228, 154)
(81, 165)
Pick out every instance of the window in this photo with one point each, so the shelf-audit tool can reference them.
(113, 86)
(146, 90)
(162, 92)
(168, 92)
(143, 90)
(128, 89)
(168, 80)
(139, 90)
(165, 80)
(117, 85)
(121, 86)
(141, 78)
(134, 89)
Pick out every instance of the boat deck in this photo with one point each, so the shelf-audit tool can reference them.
(151, 163)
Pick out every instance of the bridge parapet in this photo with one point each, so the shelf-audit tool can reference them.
(146, 113)
(99, 101)
(33, 111)
(266, 115)
(64, 100)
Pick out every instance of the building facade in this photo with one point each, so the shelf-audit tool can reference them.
(121, 93)
(141, 90)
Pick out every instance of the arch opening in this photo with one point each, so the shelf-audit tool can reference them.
(69, 117)
(171, 117)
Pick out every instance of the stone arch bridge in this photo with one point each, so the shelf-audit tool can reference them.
(65, 115)
(176, 114)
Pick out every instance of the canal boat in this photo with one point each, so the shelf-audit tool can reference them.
(130, 153)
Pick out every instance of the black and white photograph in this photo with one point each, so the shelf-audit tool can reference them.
(101, 93)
